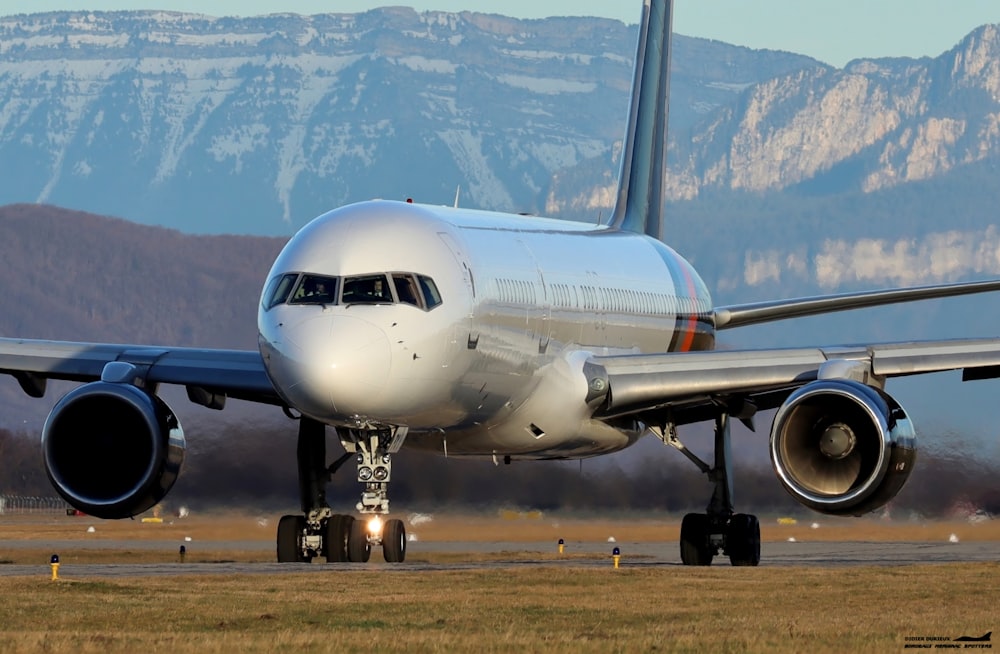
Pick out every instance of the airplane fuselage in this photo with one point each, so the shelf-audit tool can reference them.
(492, 365)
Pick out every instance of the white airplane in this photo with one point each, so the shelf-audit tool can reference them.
(471, 333)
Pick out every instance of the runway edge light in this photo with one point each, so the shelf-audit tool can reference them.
(616, 555)
(54, 562)
(562, 545)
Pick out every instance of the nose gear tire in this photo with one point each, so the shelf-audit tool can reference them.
(394, 541)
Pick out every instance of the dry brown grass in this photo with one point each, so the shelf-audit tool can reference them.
(524, 609)
(124, 555)
(496, 527)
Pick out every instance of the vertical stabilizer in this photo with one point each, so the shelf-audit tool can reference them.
(639, 203)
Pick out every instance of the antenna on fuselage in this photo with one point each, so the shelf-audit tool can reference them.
(457, 189)
(639, 202)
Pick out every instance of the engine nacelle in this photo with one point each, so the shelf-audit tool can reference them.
(842, 447)
(112, 450)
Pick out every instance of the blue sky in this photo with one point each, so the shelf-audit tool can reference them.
(834, 31)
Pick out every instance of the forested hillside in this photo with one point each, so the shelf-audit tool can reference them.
(69, 275)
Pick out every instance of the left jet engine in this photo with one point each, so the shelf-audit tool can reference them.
(112, 450)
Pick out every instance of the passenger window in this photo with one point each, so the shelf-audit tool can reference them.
(406, 289)
(277, 290)
(430, 290)
(315, 289)
(369, 289)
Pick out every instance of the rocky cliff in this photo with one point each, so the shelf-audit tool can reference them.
(258, 124)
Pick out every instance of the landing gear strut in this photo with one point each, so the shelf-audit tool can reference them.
(339, 537)
(703, 535)
(373, 450)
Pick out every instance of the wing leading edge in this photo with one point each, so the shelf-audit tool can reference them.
(209, 375)
(741, 315)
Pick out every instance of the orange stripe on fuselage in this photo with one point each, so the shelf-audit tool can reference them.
(692, 321)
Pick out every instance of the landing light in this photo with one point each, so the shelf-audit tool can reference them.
(364, 473)
(375, 526)
(381, 473)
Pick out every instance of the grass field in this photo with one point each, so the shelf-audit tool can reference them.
(531, 608)
(534, 609)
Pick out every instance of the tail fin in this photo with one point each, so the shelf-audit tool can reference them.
(639, 204)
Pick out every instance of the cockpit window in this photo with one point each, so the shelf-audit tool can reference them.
(431, 295)
(368, 289)
(406, 289)
(307, 289)
(315, 289)
(277, 291)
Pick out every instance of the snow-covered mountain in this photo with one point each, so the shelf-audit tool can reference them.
(255, 125)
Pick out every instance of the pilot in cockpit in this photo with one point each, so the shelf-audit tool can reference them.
(321, 292)
(316, 291)
(377, 291)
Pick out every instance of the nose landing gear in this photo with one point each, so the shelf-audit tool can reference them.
(340, 537)
(373, 451)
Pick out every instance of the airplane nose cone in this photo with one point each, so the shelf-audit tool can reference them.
(332, 366)
(358, 359)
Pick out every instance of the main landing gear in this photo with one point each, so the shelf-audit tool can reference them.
(703, 535)
(338, 537)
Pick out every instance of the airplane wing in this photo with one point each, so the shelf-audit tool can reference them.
(209, 375)
(739, 315)
(690, 387)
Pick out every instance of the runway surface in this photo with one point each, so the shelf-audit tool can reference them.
(589, 555)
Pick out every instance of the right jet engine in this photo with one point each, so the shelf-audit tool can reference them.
(842, 447)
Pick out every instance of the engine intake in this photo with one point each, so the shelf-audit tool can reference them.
(842, 447)
(112, 450)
